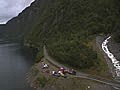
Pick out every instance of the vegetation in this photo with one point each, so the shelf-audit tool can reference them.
(67, 28)
(39, 56)
(117, 36)
(34, 70)
(42, 81)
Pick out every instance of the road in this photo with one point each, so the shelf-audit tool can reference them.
(112, 83)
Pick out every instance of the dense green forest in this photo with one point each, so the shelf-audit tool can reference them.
(68, 28)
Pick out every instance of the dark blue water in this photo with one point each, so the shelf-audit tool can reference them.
(15, 62)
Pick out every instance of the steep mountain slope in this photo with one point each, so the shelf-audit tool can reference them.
(67, 27)
(2, 30)
(25, 21)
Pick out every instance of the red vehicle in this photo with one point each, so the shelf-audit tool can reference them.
(62, 70)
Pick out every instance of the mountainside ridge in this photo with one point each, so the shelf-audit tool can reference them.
(67, 27)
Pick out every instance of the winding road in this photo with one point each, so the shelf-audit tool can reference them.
(112, 83)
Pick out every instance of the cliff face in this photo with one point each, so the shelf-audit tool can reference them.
(67, 27)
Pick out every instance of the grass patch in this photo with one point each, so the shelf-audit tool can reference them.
(34, 70)
(42, 81)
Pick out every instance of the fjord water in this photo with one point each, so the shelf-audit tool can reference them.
(15, 62)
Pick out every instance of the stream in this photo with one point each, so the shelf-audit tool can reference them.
(113, 59)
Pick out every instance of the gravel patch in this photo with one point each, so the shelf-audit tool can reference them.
(99, 40)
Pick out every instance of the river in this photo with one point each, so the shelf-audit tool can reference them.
(15, 62)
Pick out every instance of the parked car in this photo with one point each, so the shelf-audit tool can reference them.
(72, 72)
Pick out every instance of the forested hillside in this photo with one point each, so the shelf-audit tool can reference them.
(68, 28)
